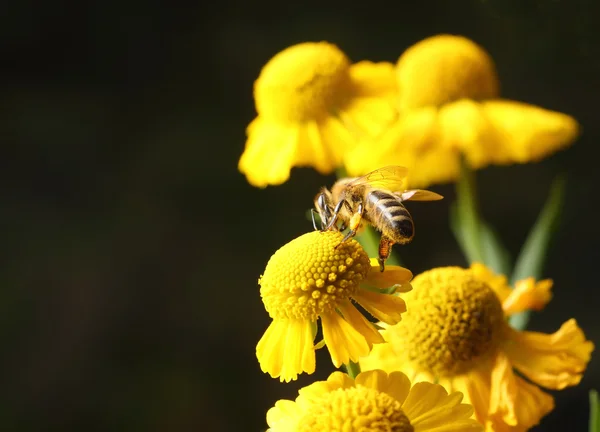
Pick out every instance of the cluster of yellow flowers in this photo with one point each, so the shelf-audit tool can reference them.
(442, 355)
(440, 101)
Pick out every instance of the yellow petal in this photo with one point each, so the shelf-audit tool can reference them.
(269, 154)
(515, 402)
(286, 349)
(373, 105)
(403, 137)
(393, 275)
(368, 117)
(313, 150)
(284, 415)
(553, 360)
(383, 357)
(430, 408)
(496, 282)
(464, 127)
(384, 307)
(528, 132)
(396, 385)
(476, 388)
(374, 79)
(310, 394)
(528, 294)
(344, 342)
(360, 323)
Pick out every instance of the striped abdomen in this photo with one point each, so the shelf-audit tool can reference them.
(387, 213)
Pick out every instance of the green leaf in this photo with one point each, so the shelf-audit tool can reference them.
(532, 257)
(594, 425)
(495, 255)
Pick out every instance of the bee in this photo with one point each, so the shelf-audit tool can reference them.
(376, 198)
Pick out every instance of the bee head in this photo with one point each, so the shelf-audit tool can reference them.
(324, 206)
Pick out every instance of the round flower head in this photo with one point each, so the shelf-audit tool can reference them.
(449, 108)
(375, 402)
(313, 105)
(315, 276)
(456, 333)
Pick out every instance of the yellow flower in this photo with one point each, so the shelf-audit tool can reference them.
(455, 332)
(312, 277)
(449, 106)
(375, 402)
(313, 105)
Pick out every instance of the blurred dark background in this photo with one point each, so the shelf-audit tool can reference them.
(132, 245)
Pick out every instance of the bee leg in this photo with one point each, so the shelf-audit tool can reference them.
(334, 216)
(354, 223)
(385, 249)
(312, 214)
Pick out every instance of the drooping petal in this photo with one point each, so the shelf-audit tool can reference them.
(496, 282)
(528, 294)
(313, 150)
(269, 153)
(383, 357)
(344, 342)
(360, 323)
(528, 132)
(513, 401)
(464, 127)
(397, 146)
(384, 307)
(393, 275)
(430, 408)
(374, 79)
(311, 393)
(396, 384)
(283, 416)
(476, 388)
(286, 349)
(373, 106)
(555, 360)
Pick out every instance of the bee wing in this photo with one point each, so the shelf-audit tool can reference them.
(419, 195)
(391, 178)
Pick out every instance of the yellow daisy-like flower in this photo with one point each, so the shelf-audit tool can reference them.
(374, 402)
(456, 333)
(315, 276)
(449, 106)
(313, 105)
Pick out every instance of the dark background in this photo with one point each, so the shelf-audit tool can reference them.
(131, 245)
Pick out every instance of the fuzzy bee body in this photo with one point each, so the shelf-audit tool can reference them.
(385, 211)
(376, 198)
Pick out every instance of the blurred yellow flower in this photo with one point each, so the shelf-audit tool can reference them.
(313, 105)
(375, 402)
(455, 332)
(312, 277)
(449, 107)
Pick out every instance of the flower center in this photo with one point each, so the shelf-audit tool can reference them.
(454, 319)
(309, 276)
(303, 82)
(443, 69)
(355, 409)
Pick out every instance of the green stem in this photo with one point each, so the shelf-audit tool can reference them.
(352, 369)
(466, 197)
